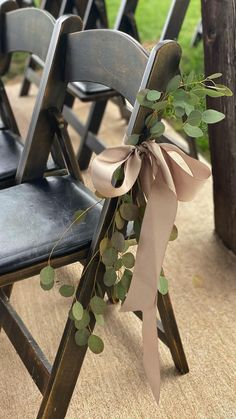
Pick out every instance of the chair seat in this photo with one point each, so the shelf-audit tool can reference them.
(87, 92)
(34, 215)
(10, 153)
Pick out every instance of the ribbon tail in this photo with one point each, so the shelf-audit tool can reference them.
(150, 350)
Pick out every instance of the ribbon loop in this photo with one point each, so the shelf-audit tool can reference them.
(164, 182)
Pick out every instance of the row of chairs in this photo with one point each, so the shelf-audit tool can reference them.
(94, 15)
(34, 200)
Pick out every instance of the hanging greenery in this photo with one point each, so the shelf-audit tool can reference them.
(183, 100)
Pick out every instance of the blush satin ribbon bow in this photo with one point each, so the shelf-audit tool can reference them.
(164, 182)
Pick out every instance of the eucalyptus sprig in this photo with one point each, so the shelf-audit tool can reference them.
(184, 100)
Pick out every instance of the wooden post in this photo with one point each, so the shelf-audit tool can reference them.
(219, 34)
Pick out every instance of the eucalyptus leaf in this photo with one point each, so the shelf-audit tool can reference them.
(126, 279)
(109, 256)
(158, 129)
(99, 319)
(160, 106)
(84, 322)
(225, 89)
(133, 139)
(77, 310)
(192, 131)
(47, 276)
(126, 198)
(67, 290)
(118, 241)
(214, 76)
(128, 260)
(104, 244)
(97, 305)
(153, 95)
(213, 93)
(79, 216)
(210, 116)
(118, 265)
(120, 291)
(129, 212)
(110, 277)
(163, 285)
(194, 118)
(179, 112)
(119, 221)
(95, 344)
(81, 337)
(173, 84)
(190, 77)
(118, 174)
(174, 233)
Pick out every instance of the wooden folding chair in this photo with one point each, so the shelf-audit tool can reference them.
(54, 200)
(15, 28)
(92, 11)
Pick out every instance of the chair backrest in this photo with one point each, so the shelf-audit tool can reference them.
(92, 56)
(125, 20)
(175, 19)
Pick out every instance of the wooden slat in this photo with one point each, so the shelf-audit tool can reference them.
(25, 345)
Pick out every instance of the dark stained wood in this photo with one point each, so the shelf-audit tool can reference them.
(30, 33)
(107, 71)
(175, 19)
(36, 144)
(125, 20)
(219, 33)
(23, 342)
(5, 59)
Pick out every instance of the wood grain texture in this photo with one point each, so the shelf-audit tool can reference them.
(220, 55)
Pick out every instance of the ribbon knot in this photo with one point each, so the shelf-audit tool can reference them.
(164, 182)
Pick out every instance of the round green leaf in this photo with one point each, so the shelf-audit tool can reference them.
(173, 84)
(109, 256)
(120, 291)
(163, 285)
(118, 264)
(210, 116)
(129, 212)
(126, 279)
(194, 118)
(192, 131)
(110, 277)
(119, 221)
(174, 233)
(95, 344)
(47, 276)
(213, 92)
(160, 106)
(79, 216)
(97, 305)
(179, 112)
(127, 198)
(104, 243)
(153, 95)
(99, 319)
(128, 260)
(132, 139)
(118, 241)
(77, 310)
(158, 129)
(81, 337)
(84, 322)
(67, 290)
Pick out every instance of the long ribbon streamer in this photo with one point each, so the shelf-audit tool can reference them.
(164, 182)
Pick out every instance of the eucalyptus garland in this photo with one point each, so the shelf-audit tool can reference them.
(183, 100)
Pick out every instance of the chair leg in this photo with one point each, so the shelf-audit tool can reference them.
(7, 289)
(26, 83)
(172, 333)
(93, 124)
(65, 372)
